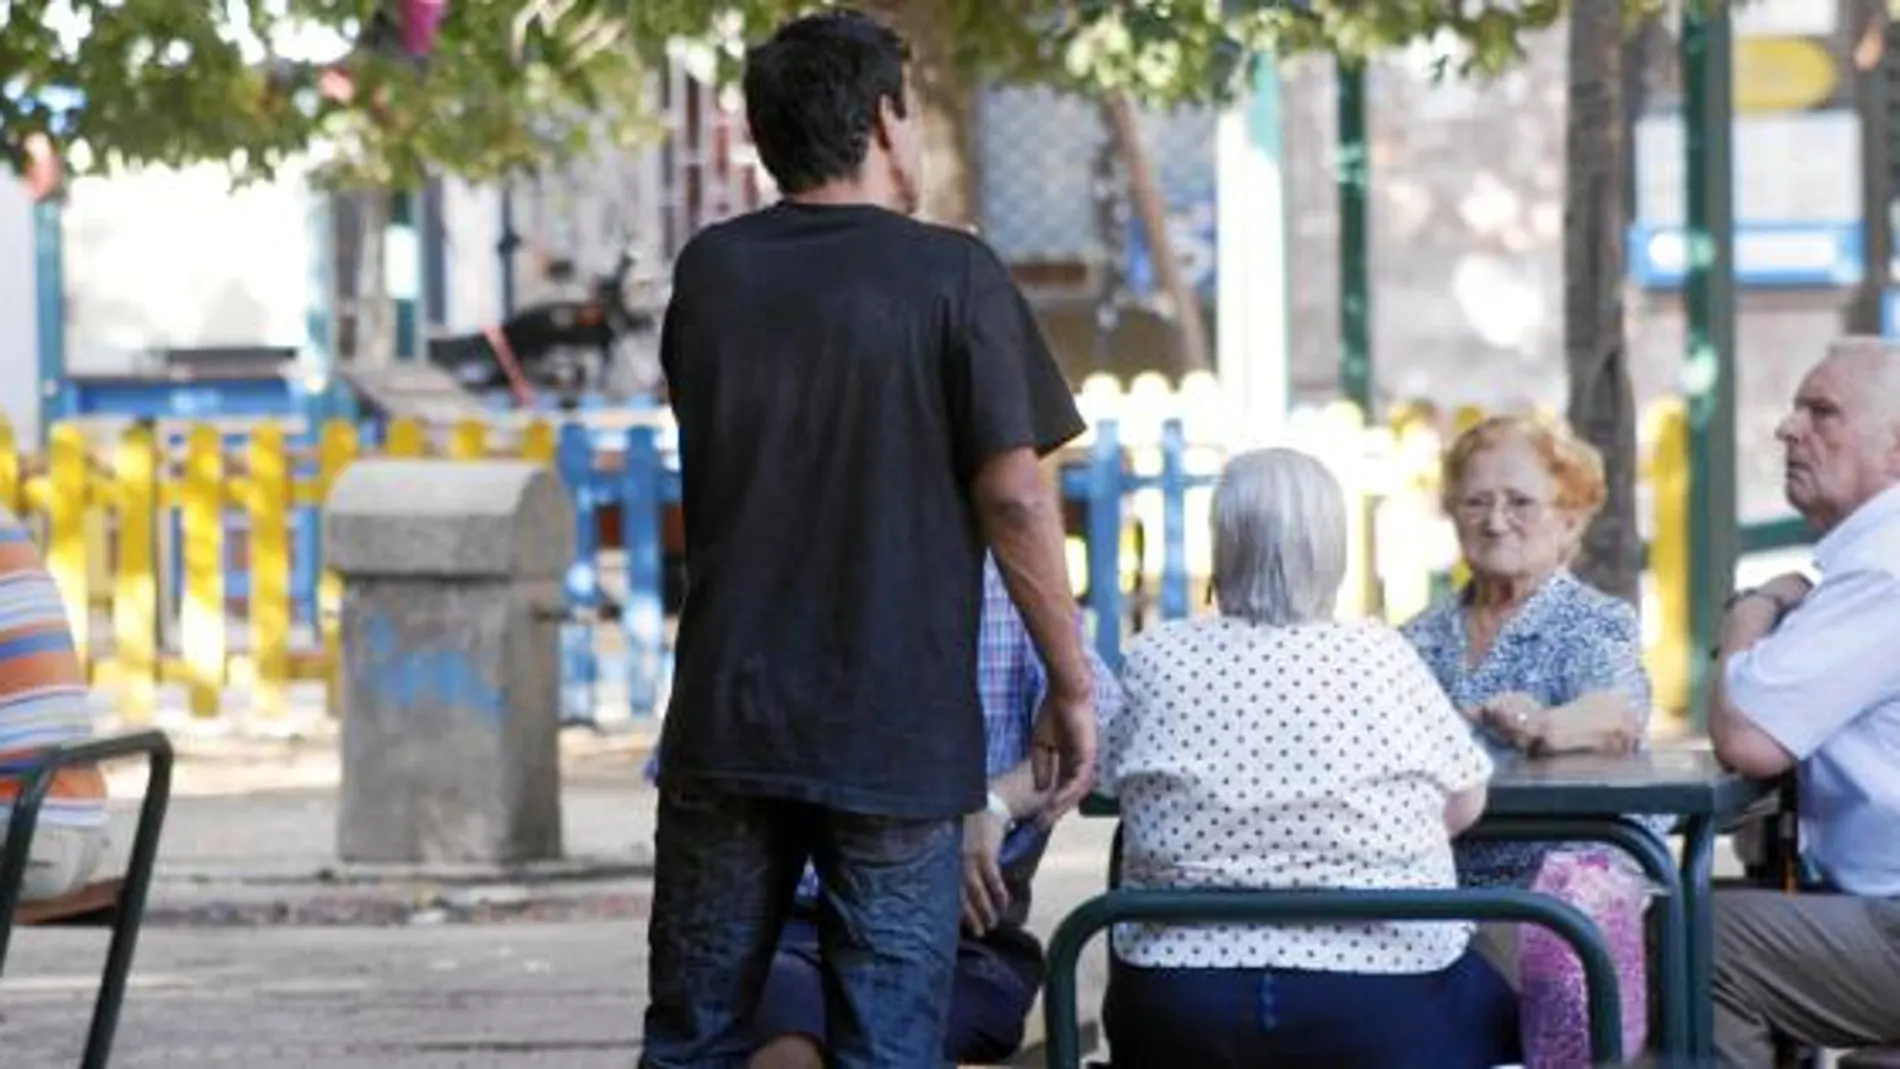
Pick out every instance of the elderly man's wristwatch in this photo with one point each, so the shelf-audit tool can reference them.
(1781, 607)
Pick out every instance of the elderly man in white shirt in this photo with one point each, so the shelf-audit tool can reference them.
(1808, 678)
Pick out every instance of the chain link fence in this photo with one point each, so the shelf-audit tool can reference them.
(1040, 153)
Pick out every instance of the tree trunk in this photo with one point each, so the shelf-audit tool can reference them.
(1144, 188)
(1596, 355)
(944, 102)
(375, 310)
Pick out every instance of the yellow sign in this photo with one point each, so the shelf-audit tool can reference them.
(1783, 74)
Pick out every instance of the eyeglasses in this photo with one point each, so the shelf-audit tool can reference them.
(1517, 508)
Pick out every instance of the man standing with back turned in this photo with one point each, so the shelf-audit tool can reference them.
(862, 400)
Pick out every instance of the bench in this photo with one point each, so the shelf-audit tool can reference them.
(1182, 906)
(115, 903)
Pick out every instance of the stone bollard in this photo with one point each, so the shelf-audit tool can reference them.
(452, 603)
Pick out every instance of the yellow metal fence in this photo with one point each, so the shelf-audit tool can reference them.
(110, 512)
(103, 512)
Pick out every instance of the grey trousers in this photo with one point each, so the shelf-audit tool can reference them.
(1821, 970)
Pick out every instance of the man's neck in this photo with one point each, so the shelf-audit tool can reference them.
(1836, 529)
(848, 192)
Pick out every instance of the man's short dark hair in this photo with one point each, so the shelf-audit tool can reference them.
(812, 93)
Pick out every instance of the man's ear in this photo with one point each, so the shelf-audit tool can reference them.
(884, 128)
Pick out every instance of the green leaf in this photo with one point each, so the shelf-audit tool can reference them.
(518, 84)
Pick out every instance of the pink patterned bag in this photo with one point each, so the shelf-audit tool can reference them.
(1553, 1007)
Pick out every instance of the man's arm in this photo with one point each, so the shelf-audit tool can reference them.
(1739, 742)
(1017, 790)
(1787, 681)
(1021, 520)
(985, 894)
(1009, 404)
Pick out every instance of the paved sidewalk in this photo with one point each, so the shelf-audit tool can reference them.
(419, 994)
(434, 997)
(254, 822)
(261, 950)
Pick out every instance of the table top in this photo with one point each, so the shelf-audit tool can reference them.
(1687, 782)
(1684, 782)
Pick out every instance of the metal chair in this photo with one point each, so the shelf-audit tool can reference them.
(118, 904)
(1267, 907)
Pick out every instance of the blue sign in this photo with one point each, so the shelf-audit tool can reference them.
(1796, 193)
(1767, 255)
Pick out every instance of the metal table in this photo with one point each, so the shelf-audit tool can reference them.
(1589, 798)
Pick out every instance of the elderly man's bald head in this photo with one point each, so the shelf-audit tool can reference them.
(1874, 364)
(1843, 438)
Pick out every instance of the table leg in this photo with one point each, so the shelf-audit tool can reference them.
(1672, 950)
(1698, 863)
(1672, 972)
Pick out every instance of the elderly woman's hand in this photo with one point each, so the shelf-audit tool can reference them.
(1602, 721)
(1514, 718)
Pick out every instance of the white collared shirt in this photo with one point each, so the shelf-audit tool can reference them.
(1825, 684)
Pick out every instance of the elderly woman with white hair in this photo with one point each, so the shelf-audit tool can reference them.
(1271, 746)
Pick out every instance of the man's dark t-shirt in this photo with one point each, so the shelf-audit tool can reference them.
(839, 374)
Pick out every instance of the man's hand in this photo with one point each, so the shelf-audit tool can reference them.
(1063, 756)
(1787, 588)
(1740, 743)
(985, 896)
(1755, 614)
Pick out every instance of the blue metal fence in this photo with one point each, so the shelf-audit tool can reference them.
(646, 482)
(628, 471)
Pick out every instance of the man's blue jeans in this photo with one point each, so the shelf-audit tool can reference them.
(725, 869)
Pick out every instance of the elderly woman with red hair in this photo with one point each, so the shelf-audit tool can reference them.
(1533, 657)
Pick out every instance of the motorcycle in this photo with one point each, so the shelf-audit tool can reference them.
(599, 342)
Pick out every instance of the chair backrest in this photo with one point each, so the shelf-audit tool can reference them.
(1283, 907)
(1785, 847)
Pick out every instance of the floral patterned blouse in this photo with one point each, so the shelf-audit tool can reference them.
(1566, 640)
